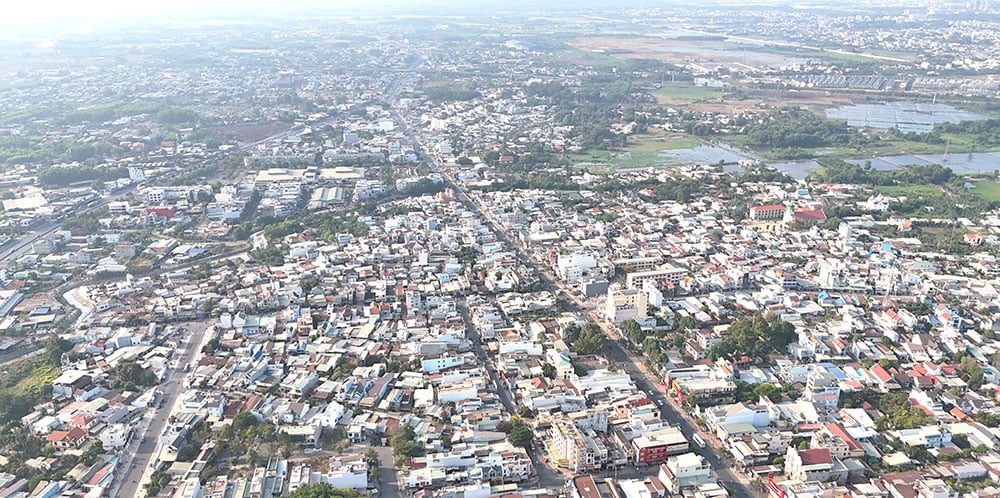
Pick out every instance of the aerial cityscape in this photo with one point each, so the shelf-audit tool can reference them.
(634, 249)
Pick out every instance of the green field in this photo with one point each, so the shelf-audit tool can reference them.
(640, 151)
(686, 93)
(925, 191)
(656, 143)
(987, 190)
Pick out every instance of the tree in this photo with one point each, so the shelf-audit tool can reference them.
(404, 444)
(127, 374)
(633, 331)
(972, 372)
(571, 333)
(520, 434)
(549, 371)
(324, 490)
(755, 337)
(591, 340)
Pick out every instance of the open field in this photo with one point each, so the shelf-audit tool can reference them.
(673, 94)
(641, 150)
(987, 190)
(682, 51)
(655, 142)
(925, 191)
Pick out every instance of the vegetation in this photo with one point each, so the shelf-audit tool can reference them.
(843, 172)
(157, 482)
(897, 411)
(404, 444)
(450, 93)
(61, 176)
(586, 340)
(127, 374)
(29, 381)
(246, 437)
(633, 332)
(790, 128)
(754, 337)
(324, 490)
(520, 434)
(750, 393)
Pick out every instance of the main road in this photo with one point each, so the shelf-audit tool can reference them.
(647, 381)
(138, 469)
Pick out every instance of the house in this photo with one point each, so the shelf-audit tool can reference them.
(115, 435)
(67, 440)
(815, 464)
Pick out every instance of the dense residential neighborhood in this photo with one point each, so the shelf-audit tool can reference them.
(408, 266)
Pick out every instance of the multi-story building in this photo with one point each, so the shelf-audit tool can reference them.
(770, 212)
(685, 471)
(823, 388)
(576, 449)
(626, 304)
(815, 464)
(655, 446)
(670, 273)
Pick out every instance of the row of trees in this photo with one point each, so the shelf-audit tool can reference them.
(59, 176)
(844, 172)
(798, 128)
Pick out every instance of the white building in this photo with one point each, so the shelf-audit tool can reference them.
(627, 304)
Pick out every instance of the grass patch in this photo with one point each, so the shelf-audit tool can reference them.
(987, 190)
(656, 143)
(591, 156)
(925, 191)
(41, 377)
(686, 93)
(641, 150)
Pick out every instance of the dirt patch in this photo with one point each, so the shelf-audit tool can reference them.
(686, 51)
(814, 100)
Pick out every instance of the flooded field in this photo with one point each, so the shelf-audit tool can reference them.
(907, 116)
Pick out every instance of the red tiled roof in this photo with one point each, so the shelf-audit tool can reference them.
(880, 373)
(769, 207)
(839, 431)
(809, 215)
(815, 456)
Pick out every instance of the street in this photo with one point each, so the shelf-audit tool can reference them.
(138, 470)
(737, 484)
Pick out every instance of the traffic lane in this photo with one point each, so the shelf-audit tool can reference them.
(171, 389)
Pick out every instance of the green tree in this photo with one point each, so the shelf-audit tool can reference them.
(127, 374)
(590, 341)
(755, 337)
(324, 490)
(633, 331)
(571, 333)
(520, 434)
(404, 444)
(549, 371)
(972, 372)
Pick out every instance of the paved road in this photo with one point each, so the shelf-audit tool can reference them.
(139, 470)
(738, 484)
(389, 485)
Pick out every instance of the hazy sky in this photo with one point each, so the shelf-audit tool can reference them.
(25, 15)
